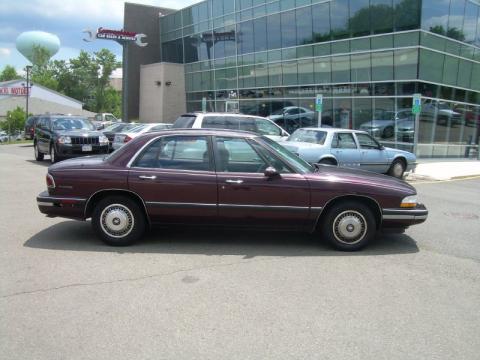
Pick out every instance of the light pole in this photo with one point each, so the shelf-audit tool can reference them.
(28, 86)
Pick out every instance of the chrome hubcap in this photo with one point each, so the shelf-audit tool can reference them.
(398, 169)
(350, 227)
(117, 220)
(52, 154)
(36, 150)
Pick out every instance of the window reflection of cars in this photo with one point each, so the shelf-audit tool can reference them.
(227, 178)
(383, 126)
(440, 112)
(349, 148)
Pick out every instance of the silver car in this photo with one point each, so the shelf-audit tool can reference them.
(124, 137)
(349, 148)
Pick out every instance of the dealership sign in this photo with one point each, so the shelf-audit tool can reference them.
(119, 36)
(14, 91)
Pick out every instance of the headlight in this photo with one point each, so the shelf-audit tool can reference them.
(409, 202)
(64, 140)
(103, 140)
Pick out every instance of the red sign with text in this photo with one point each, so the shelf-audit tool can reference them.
(15, 91)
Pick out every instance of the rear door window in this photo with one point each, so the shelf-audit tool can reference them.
(184, 122)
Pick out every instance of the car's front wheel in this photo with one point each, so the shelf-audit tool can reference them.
(54, 155)
(118, 220)
(349, 226)
(397, 169)
(38, 154)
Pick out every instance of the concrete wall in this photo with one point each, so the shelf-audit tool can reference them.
(38, 106)
(158, 101)
(142, 19)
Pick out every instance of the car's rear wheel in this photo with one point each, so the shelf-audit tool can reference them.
(118, 220)
(38, 154)
(397, 169)
(349, 226)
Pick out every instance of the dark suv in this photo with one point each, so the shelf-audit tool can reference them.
(65, 136)
(30, 127)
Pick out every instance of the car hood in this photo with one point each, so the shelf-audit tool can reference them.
(359, 177)
(295, 146)
(392, 151)
(81, 162)
(79, 133)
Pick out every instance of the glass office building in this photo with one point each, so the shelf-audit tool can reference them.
(366, 57)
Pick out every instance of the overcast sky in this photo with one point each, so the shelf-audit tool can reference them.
(66, 19)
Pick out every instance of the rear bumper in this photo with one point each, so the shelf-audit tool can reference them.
(398, 218)
(68, 207)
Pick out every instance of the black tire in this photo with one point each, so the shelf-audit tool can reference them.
(388, 132)
(108, 225)
(349, 226)
(328, 162)
(397, 169)
(54, 158)
(38, 155)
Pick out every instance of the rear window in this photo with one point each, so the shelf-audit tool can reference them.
(230, 123)
(184, 122)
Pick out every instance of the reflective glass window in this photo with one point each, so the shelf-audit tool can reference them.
(305, 72)
(289, 70)
(382, 16)
(406, 64)
(431, 66)
(434, 17)
(288, 28)
(455, 20)
(323, 70)
(245, 37)
(464, 74)
(260, 31)
(274, 35)
(450, 70)
(321, 22)
(360, 68)
(382, 66)
(341, 69)
(339, 19)
(406, 14)
(362, 112)
(470, 22)
(360, 17)
(275, 74)
(303, 21)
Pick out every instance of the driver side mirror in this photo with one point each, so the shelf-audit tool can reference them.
(381, 147)
(270, 172)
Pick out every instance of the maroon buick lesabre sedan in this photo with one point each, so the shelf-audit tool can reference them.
(224, 178)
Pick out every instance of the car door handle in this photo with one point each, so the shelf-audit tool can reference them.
(234, 181)
(144, 177)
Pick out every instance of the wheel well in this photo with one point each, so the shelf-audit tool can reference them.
(402, 159)
(329, 159)
(98, 196)
(369, 202)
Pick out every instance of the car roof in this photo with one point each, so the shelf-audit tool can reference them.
(221, 132)
(221, 114)
(331, 130)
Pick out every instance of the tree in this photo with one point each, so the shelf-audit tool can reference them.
(15, 121)
(9, 73)
(42, 71)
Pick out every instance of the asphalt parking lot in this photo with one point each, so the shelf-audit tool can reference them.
(222, 295)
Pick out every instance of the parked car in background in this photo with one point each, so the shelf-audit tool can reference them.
(441, 112)
(116, 128)
(30, 127)
(292, 118)
(406, 130)
(255, 124)
(102, 120)
(349, 148)
(195, 177)
(64, 136)
(123, 137)
(383, 125)
(3, 136)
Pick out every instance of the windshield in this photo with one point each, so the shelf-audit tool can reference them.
(72, 124)
(279, 112)
(309, 136)
(385, 115)
(300, 165)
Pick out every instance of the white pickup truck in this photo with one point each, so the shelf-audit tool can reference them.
(102, 120)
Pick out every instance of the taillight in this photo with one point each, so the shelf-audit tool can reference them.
(127, 139)
(50, 182)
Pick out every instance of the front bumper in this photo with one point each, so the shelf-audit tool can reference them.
(401, 218)
(67, 207)
(68, 151)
